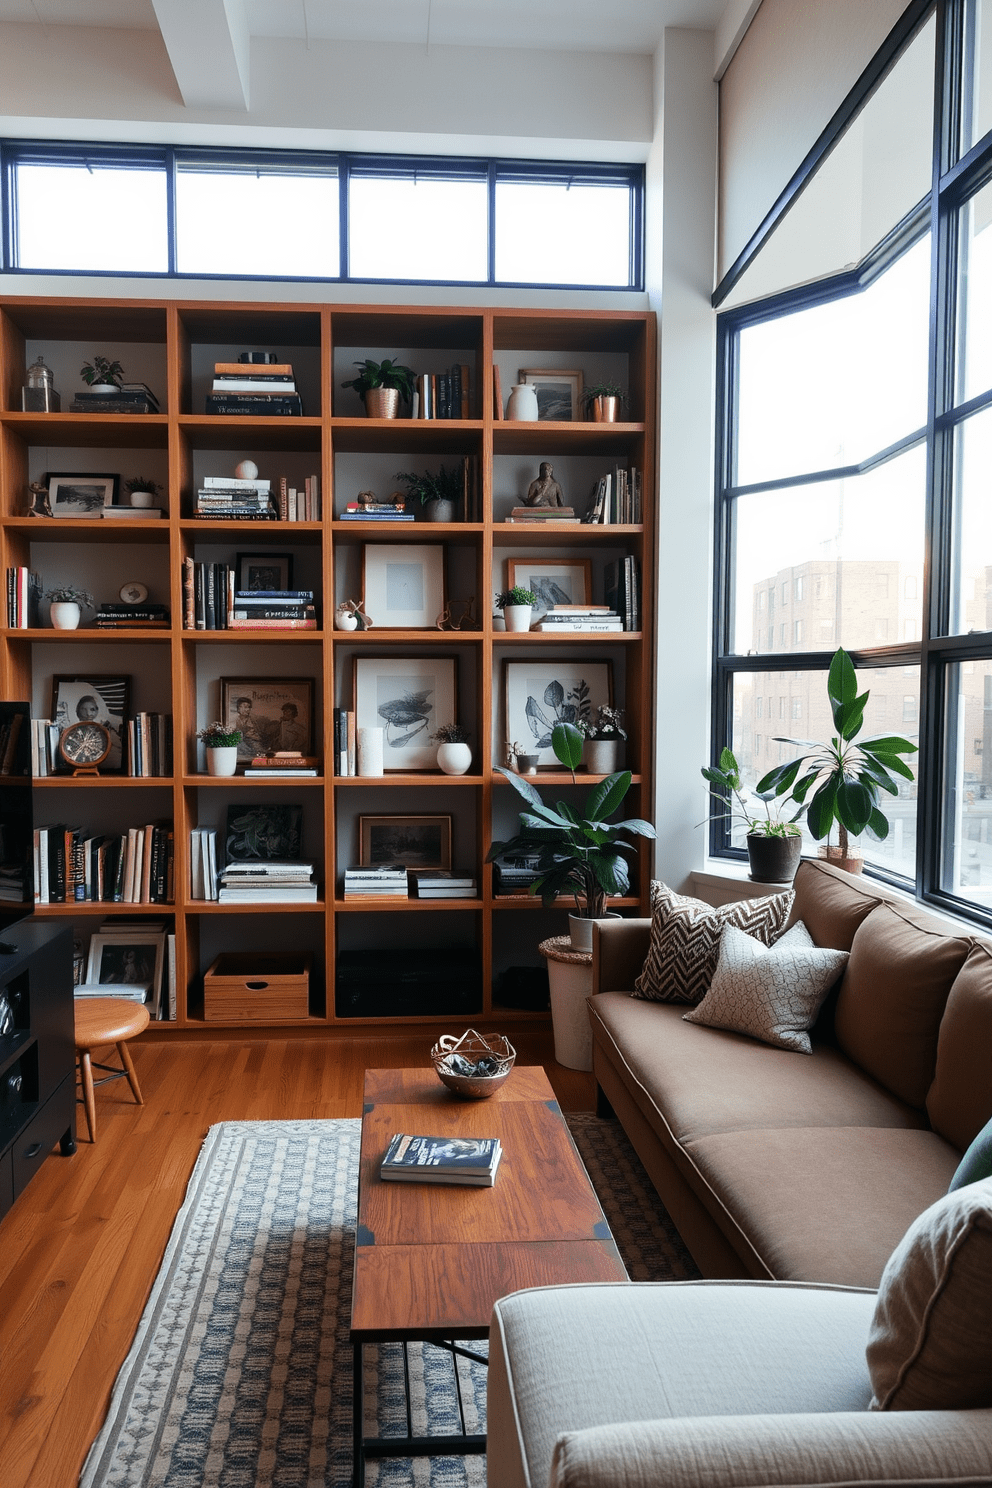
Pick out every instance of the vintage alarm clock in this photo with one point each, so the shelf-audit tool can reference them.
(85, 746)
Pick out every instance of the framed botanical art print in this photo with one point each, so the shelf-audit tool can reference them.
(414, 841)
(538, 694)
(407, 697)
(271, 712)
(403, 585)
(564, 582)
(559, 393)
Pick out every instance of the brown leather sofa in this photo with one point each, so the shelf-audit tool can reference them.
(782, 1166)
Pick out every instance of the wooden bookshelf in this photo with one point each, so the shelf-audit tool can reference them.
(172, 346)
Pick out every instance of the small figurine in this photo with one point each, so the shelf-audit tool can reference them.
(39, 504)
(545, 491)
(349, 610)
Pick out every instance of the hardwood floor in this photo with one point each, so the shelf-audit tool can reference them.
(81, 1247)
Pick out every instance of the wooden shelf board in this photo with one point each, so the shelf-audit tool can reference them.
(396, 777)
(397, 902)
(91, 431)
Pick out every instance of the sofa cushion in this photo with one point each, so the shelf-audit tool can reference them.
(831, 903)
(929, 1347)
(685, 939)
(893, 994)
(959, 1102)
(772, 993)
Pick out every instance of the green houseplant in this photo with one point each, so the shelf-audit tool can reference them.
(774, 845)
(437, 491)
(841, 779)
(516, 605)
(102, 372)
(381, 385)
(221, 742)
(66, 602)
(581, 855)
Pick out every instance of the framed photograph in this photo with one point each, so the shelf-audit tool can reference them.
(539, 694)
(132, 958)
(559, 393)
(101, 699)
(271, 712)
(80, 495)
(403, 584)
(407, 697)
(568, 582)
(264, 834)
(414, 841)
(263, 571)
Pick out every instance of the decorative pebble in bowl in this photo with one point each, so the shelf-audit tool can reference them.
(472, 1066)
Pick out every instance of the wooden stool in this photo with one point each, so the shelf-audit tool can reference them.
(101, 1021)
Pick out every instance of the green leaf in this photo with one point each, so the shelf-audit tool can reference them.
(728, 763)
(637, 826)
(566, 741)
(607, 796)
(778, 781)
(888, 744)
(854, 805)
(521, 786)
(878, 827)
(820, 811)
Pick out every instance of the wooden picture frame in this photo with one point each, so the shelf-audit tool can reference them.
(540, 693)
(80, 495)
(271, 712)
(253, 571)
(103, 697)
(414, 841)
(567, 581)
(407, 697)
(403, 585)
(559, 393)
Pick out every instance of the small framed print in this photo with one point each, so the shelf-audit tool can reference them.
(80, 495)
(568, 582)
(414, 841)
(264, 571)
(538, 694)
(271, 712)
(559, 393)
(407, 697)
(131, 959)
(102, 699)
(403, 585)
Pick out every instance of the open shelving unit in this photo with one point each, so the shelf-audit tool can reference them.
(172, 346)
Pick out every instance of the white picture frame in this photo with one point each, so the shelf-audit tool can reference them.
(407, 697)
(403, 585)
(134, 958)
(548, 690)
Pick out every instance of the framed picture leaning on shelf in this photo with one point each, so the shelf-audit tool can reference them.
(403, 584)
(80, 495)
(407, 697)
(414, 841)
(271, 713)
(264, 834)
(559, 393)
(133, 959)
(96, 699)
(568, 582)
(263, 571)
(538, 694)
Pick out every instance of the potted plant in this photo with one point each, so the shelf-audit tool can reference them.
(380, 385)
(221, 743)
(453, 753)
(141, 490)
(604, 401)
(437, 491)
(774, 846)
(101, 375)
(582, 854)
(66, 605)
(604, 738)
(518, 759)
(844, 777)
(516, 605)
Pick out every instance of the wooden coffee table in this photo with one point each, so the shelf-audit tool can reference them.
(431, 1258)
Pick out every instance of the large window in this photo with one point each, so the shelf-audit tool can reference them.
(855, 435)
(282, 215)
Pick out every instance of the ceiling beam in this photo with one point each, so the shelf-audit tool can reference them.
(209, 48)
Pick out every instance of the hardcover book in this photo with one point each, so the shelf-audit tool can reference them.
(470, 1160)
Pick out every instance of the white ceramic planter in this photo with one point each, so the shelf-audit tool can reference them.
(580, 930)
(64, 614)
(602, 756)
(222, 760)
(517, 617)
(454, 759)
(142, 498)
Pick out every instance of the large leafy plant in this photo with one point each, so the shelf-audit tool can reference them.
(577, 854)
(842, 779)
(727, 787)
(384, 374)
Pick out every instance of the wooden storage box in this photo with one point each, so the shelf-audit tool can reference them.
(256, 987)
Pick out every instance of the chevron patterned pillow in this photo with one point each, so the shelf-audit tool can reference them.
(685, 940)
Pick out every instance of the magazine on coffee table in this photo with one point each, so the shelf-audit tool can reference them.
(416, 1159)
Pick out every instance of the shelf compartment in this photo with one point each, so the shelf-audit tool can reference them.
(397, 778)
(53, 529)
(395, 903)
(234, 432)
(98, 431)
(440, 436)
(245, 781)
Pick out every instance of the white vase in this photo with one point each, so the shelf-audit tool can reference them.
(602, 756)
(64, 614)
(370, 751)
(517, 617)
(454, 759)
(521, 405)
(580, 930)
(345, 619)
(223, 760)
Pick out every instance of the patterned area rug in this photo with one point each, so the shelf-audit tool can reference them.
(240, 1372)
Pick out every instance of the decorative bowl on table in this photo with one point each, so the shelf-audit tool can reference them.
(472, 1066)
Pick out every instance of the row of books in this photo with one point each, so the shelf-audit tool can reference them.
(129, 397)
(146, 746)
(617, 498)
(132, 867)
(211, 602)
(622, 586)
(593, 619)
(23, 597)
(442, 395)
(469, 1160)
(396, 881)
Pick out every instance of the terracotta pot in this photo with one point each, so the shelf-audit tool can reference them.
(853, 863)
(382, 403)
(773, 859)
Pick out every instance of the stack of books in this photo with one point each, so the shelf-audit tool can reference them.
(130, 991)
(542, 514)
(386, 879)
(377, 511)
(130, 397)
(514, 875)
(133, 513)
(282, 762)
(592, 618)
(299, 505)
(436, 883)
(271, 882)
(469, 1160)
(272, 609)
(137, 617)
(260, 389)
(226, 498)
(149, 745)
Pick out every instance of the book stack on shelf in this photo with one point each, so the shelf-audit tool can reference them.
(295, 505)
(272, 882)
(514, 875)
(260, 389)
(287, 763)
(272, 609)
(126, 617)
(442, 395)
(149, 745)
(594, 619)
(376, 511)
(622, 582)
(130, 397)
(543, 514)
(388, 879)
(134, 867)
(23, 598)
(133, 513)
(469, 1160)
(617, 498)
(228, 498)
(437, 883)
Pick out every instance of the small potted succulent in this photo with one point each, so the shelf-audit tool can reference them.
(66, 605)
(453, 753)
(221, 742)
(603, 400)
(101, 375)
(142, 490)
(381, 385)
(774, 845)
(516, 605)
(604, 736)
(437, 491)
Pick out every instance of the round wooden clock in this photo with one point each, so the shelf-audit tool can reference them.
(85, 746)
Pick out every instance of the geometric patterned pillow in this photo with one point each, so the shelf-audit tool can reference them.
(772, 993)
(685, 940)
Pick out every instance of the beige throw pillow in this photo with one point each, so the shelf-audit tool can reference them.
(773, 992)
(685, 940)
(930, 1344)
